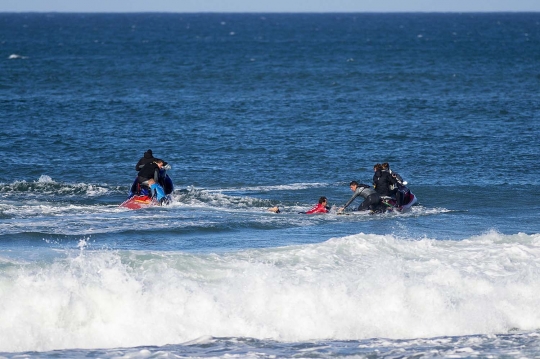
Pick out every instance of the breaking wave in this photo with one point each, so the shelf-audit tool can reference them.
(350, 288)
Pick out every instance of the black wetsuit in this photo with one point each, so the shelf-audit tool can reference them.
(149, 171)
(399, 189)
(382, 180)
(147, 158)
(371, 198)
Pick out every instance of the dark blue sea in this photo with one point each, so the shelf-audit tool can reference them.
(254, 111)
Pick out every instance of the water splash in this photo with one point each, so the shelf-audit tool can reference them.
(349, 288)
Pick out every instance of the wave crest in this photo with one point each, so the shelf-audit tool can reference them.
(355, 287)
(45, 185)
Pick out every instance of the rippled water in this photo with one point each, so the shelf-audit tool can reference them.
(254, 111)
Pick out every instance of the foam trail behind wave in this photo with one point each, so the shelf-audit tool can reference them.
(356, 287)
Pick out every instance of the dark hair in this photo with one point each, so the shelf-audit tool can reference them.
(353, 183)
(378, 166)
(322, 199)
(385, 165)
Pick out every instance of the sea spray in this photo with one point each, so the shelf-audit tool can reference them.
(349, 288)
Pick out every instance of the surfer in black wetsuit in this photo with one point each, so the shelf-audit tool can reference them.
(383, 181)
(372, 200)
(148, 157)
(397, 177)
(398, 189)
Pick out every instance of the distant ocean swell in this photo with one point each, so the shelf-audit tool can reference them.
(352, 288)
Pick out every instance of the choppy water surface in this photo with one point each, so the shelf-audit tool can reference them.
(254, 111)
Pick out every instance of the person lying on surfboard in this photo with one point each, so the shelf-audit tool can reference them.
(320, 207)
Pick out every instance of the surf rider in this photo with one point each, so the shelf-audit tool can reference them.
(321, 207)
(148, 175)
(372, 200)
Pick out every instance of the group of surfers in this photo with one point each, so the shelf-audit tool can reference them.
(386, 183)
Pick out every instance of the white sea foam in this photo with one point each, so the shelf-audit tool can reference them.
(283, 187)
(31, 210)
(15, 56)
(45, 179)
(199, 198)
(357, 287)
(45, 185)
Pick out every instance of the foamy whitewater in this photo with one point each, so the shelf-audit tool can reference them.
(254, 111)
(351, 288)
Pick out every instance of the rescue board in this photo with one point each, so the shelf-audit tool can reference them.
(137, 202)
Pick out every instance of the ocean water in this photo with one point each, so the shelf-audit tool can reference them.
(254, 111)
